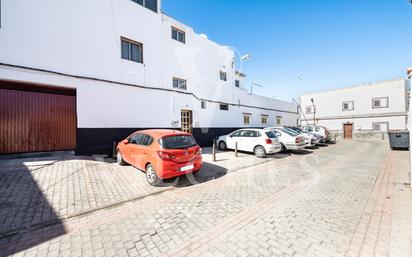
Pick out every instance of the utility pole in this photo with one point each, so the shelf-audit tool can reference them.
(314, 111)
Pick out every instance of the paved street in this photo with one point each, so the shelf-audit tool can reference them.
(348, 199)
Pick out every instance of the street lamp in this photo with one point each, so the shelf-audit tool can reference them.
(242, 58)
(297, 86)
(256, 85)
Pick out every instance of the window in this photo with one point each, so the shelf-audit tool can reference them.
(248, 133)
(237, 83)
(140, 139)
(270, 134)
(223, 76)
(278, 120)
(179, 83)
(246, 119)
(224, 107)
(348, 106)
(236, 133)
(177, 142)
(310, 109)
(381, 102)
(132, 50)
(149, 4)
(264, 119)
(178, 35)
(203, 104)
(146, 140)
(380, 126)
(135, 139)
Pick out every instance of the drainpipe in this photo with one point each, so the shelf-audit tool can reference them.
(409, 81)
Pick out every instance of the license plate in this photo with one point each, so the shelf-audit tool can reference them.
(188, 167)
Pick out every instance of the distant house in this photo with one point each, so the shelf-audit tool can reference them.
(80, 75)
(359, 111)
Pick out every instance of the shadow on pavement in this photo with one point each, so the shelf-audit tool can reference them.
(24, 207)
(208, 172)
(302, 152)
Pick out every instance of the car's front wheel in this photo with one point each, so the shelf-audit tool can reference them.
(222, 145)
(151, 176)
(120, 159)
(260, 151)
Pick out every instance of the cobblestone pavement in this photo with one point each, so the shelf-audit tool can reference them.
(309, 204)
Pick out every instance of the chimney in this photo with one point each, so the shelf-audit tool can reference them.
(409, 73)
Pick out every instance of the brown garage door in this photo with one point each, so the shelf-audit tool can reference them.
(36, 119)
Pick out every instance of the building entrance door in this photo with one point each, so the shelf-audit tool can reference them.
(347, 131)
(186, 121)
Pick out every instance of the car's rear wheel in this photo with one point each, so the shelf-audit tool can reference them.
(222, 145)
(283, 148)
(260, 151)
(120, 159)
(151, 176)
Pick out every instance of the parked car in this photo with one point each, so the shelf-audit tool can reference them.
(259, 141)
(289, 140)
(320, 130)
(316, 139)
(309, 139)
(161, 153)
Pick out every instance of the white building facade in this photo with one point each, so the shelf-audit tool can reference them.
(120, 66)
(359, 111)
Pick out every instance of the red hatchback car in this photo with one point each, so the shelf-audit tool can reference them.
(161, 153)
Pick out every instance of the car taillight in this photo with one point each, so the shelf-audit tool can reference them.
(165, 155)
(298, 140)
(268, 141)
(199, 151)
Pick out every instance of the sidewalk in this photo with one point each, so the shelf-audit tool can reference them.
(42, 191)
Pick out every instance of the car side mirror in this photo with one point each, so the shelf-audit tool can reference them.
(126, 142)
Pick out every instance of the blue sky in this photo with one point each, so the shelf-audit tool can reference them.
(329, 43)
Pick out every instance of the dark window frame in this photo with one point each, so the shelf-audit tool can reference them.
(381, 106)
(348, 102)
(278, 120)
(203, 104)
(264, 118)
(237, 83)
(130, 43)
(223, 75)
(181, 33)
(143, 3)
(380, 123)
(179, 80)
(224, 107)
(246, 119)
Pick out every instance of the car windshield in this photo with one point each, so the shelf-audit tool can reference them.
(270, 134)
(298, 130)
(290, 133)
(177, 142)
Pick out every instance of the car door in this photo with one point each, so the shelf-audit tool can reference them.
(232, 139)
(133, 149)
(247, 140)
(142, 152)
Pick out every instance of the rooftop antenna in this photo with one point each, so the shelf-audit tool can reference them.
(256, 85)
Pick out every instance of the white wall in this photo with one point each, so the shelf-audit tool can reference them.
(83, 38)
(329, 106)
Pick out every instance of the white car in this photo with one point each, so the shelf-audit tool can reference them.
(258, 141)
(289, 140)
(320, 130)
(309, 139)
